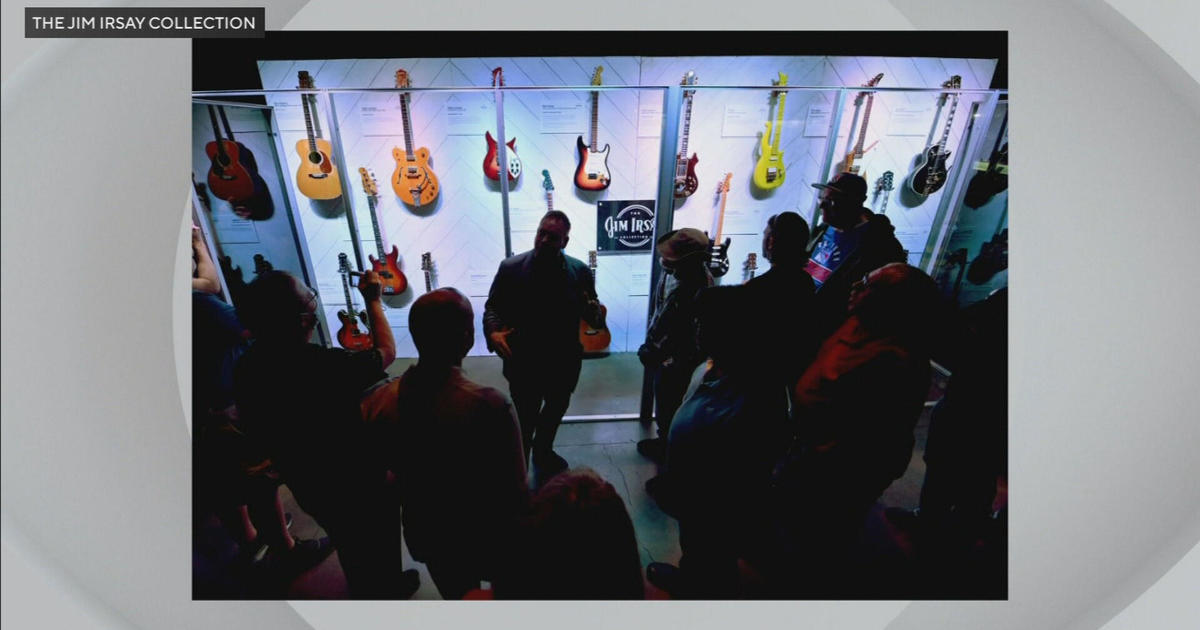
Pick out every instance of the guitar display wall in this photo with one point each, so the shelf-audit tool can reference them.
(463, 228)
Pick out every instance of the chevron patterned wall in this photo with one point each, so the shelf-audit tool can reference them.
(463, 229)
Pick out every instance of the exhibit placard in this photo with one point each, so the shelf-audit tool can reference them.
(624, 226)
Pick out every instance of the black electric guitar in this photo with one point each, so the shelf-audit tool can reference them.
(930, 174)
(718, 250)
(986, 184)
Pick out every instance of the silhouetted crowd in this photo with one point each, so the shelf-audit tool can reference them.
(785, 407)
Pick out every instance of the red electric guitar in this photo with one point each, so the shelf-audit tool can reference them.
(387, 264)
(491, 161)
(350, 336)
(685, 167)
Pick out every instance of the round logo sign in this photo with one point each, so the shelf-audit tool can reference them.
(633, 226)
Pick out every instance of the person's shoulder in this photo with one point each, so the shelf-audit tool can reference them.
(484, 396)
(516, 261)
(575, 264)
(381, 401)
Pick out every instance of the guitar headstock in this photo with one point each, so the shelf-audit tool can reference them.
(498, 77)
(884, 183)
(858, 100)
(427, 262)
(688, 79)
(306, 80)
(596, 75)
(723, 187)
(261, 265)
(781, 81)
(402, 80)
(546, 183)
(370, 186)
(592, 259)
(953, 83)
(343, 263)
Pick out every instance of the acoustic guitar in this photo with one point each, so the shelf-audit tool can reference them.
(413, 180)
(228, 178)
(592, 173)
(387, 264)
(770, 170)
(491, 161)
(848, 164)
(718, 250)
(686, 182)
(594, 340)
(258, 206)
(350, 336)
(930, 173)
(317, 177)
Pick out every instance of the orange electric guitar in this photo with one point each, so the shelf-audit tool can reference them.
(594, 340)
(413, 180)
(350, 336)
(387, 264)
(317, 177)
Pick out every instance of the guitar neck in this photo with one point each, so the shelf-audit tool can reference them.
(408, 136)
(779, 122)
(217, 134)
(308, 123)
(375, 226)
(595, 120)
(949, 123)
(549, 201)
(720, 219)
(681, 166)
(862, 132)
(349, 300)
(428, 282)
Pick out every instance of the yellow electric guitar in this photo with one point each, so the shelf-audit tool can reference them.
(414, 182)
(769, 172)
(317, 177)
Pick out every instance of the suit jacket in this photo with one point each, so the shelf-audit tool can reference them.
(543, 306)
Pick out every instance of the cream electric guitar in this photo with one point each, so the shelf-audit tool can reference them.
(769, 171)
(592, 172)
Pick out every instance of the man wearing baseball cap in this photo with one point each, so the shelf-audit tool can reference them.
(850, 242)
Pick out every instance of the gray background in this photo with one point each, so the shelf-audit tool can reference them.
(96, 465)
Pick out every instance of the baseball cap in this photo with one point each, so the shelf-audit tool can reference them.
(847, 184)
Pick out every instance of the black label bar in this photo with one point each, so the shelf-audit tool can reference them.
(189, 22)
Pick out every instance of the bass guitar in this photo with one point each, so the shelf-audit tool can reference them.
(770, 171)
(930, 174)
(350, 336)
(594, 340)
(228, 178)
(848, 163)
(413, 180)
(718, 250)
(316, 178)
(387, 264)
(491, 161)
(592, 172)
(883, 186)
(259, 206)
(686, 182)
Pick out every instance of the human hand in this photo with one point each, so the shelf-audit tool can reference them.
(369, 286)
(499, 341)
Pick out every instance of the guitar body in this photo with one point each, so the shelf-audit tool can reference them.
(317, 178)
(986, 184)
(393, 280)
(718, 257)
(231, 181)
(413, 180)
(594, 339)
(769, 171)
(350, 336)
(592, 172)
(686, 185)
(930, 175)
(491, 161)
(259, 206)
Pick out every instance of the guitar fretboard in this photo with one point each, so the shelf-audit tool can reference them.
(681, 164)
(346, 289)
(308, 124)
(779, 122)
(595, 119)
(375, 226)
(862, 132)
(224, 159)
(408, 136)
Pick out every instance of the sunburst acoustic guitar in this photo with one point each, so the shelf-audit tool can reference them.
(387, 264)
(413, 180)
(592, 173)
(317, 177)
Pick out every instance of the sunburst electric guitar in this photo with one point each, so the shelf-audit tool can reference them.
(491, 161)
(387, 264)
(930, 174)
(849, 163)
(317, 177)
(350, 336)
(685, 167)
(413, 180)
(718, 250)
(770, 171)
(592, 172)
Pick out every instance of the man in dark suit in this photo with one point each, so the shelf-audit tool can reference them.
(531, 319)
